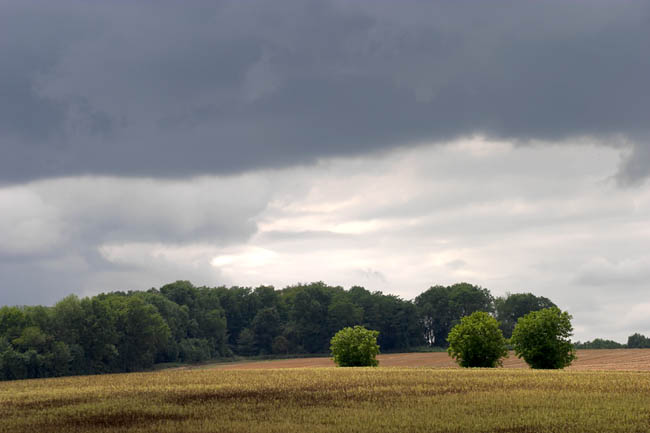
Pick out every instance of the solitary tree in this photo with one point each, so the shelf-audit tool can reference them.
(542, 339)
(355, 347)
(477, 341)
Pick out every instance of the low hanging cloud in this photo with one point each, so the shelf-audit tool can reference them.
(47, 214)
(173, 90)
(86, 234)
(633, 274)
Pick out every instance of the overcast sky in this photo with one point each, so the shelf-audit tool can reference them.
(393, 145)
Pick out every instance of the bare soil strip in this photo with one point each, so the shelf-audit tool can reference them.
(601, 359)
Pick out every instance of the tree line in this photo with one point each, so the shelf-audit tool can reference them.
(131, 331)
(634, 341)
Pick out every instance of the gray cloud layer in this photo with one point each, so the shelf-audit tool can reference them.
(162, 89)
(58, 236)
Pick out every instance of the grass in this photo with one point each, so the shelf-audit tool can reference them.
(331, 400)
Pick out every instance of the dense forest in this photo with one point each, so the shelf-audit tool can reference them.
(131, 331)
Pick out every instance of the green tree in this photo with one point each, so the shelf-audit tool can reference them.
(68, 316)
(240, 307)
(142, 333)
(638, 341)
(60, 359)
(266, 296)
(396, 319)
(513, 306)
(246, 343)
(13, 365)
(440, 308)
(212, 325)
(355, 347)
(599, 343)
(477, 341)
(98, 336)
(309, 306)
(434, 314)
(542, 339)
(181, 292)
(194, 350)
(342, 313)
(465, 298)
(266, 326)
(12, 322)
(280, 345)
(31, 338)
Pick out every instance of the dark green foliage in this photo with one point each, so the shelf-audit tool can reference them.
(638, 341)
(440, 308)
(309, 307)
(142, 333)
(542, 339)
(13, 364)
(599, 343)
(280, 345)
(12, 322)
(477, 341)
(342, 313)
(395, 319)
(31, 338)
(266, 326)
(61, 359)
(240, 305)
(246, 343)
(95, 348)
(194, 350)
(355, 347)
(510, 308)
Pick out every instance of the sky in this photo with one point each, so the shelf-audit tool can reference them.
(393, 145)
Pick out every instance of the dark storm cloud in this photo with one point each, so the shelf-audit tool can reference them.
(166, 89)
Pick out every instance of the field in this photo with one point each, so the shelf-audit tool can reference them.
(615, 359)
(321, 399)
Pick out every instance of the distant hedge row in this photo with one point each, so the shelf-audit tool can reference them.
(634, 341)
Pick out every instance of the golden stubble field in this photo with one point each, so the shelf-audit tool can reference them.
(322, 399)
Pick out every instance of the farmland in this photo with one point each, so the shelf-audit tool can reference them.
(614, 359)
(404, 398)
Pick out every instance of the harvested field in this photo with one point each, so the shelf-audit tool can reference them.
(614, 359)
(322, 400)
